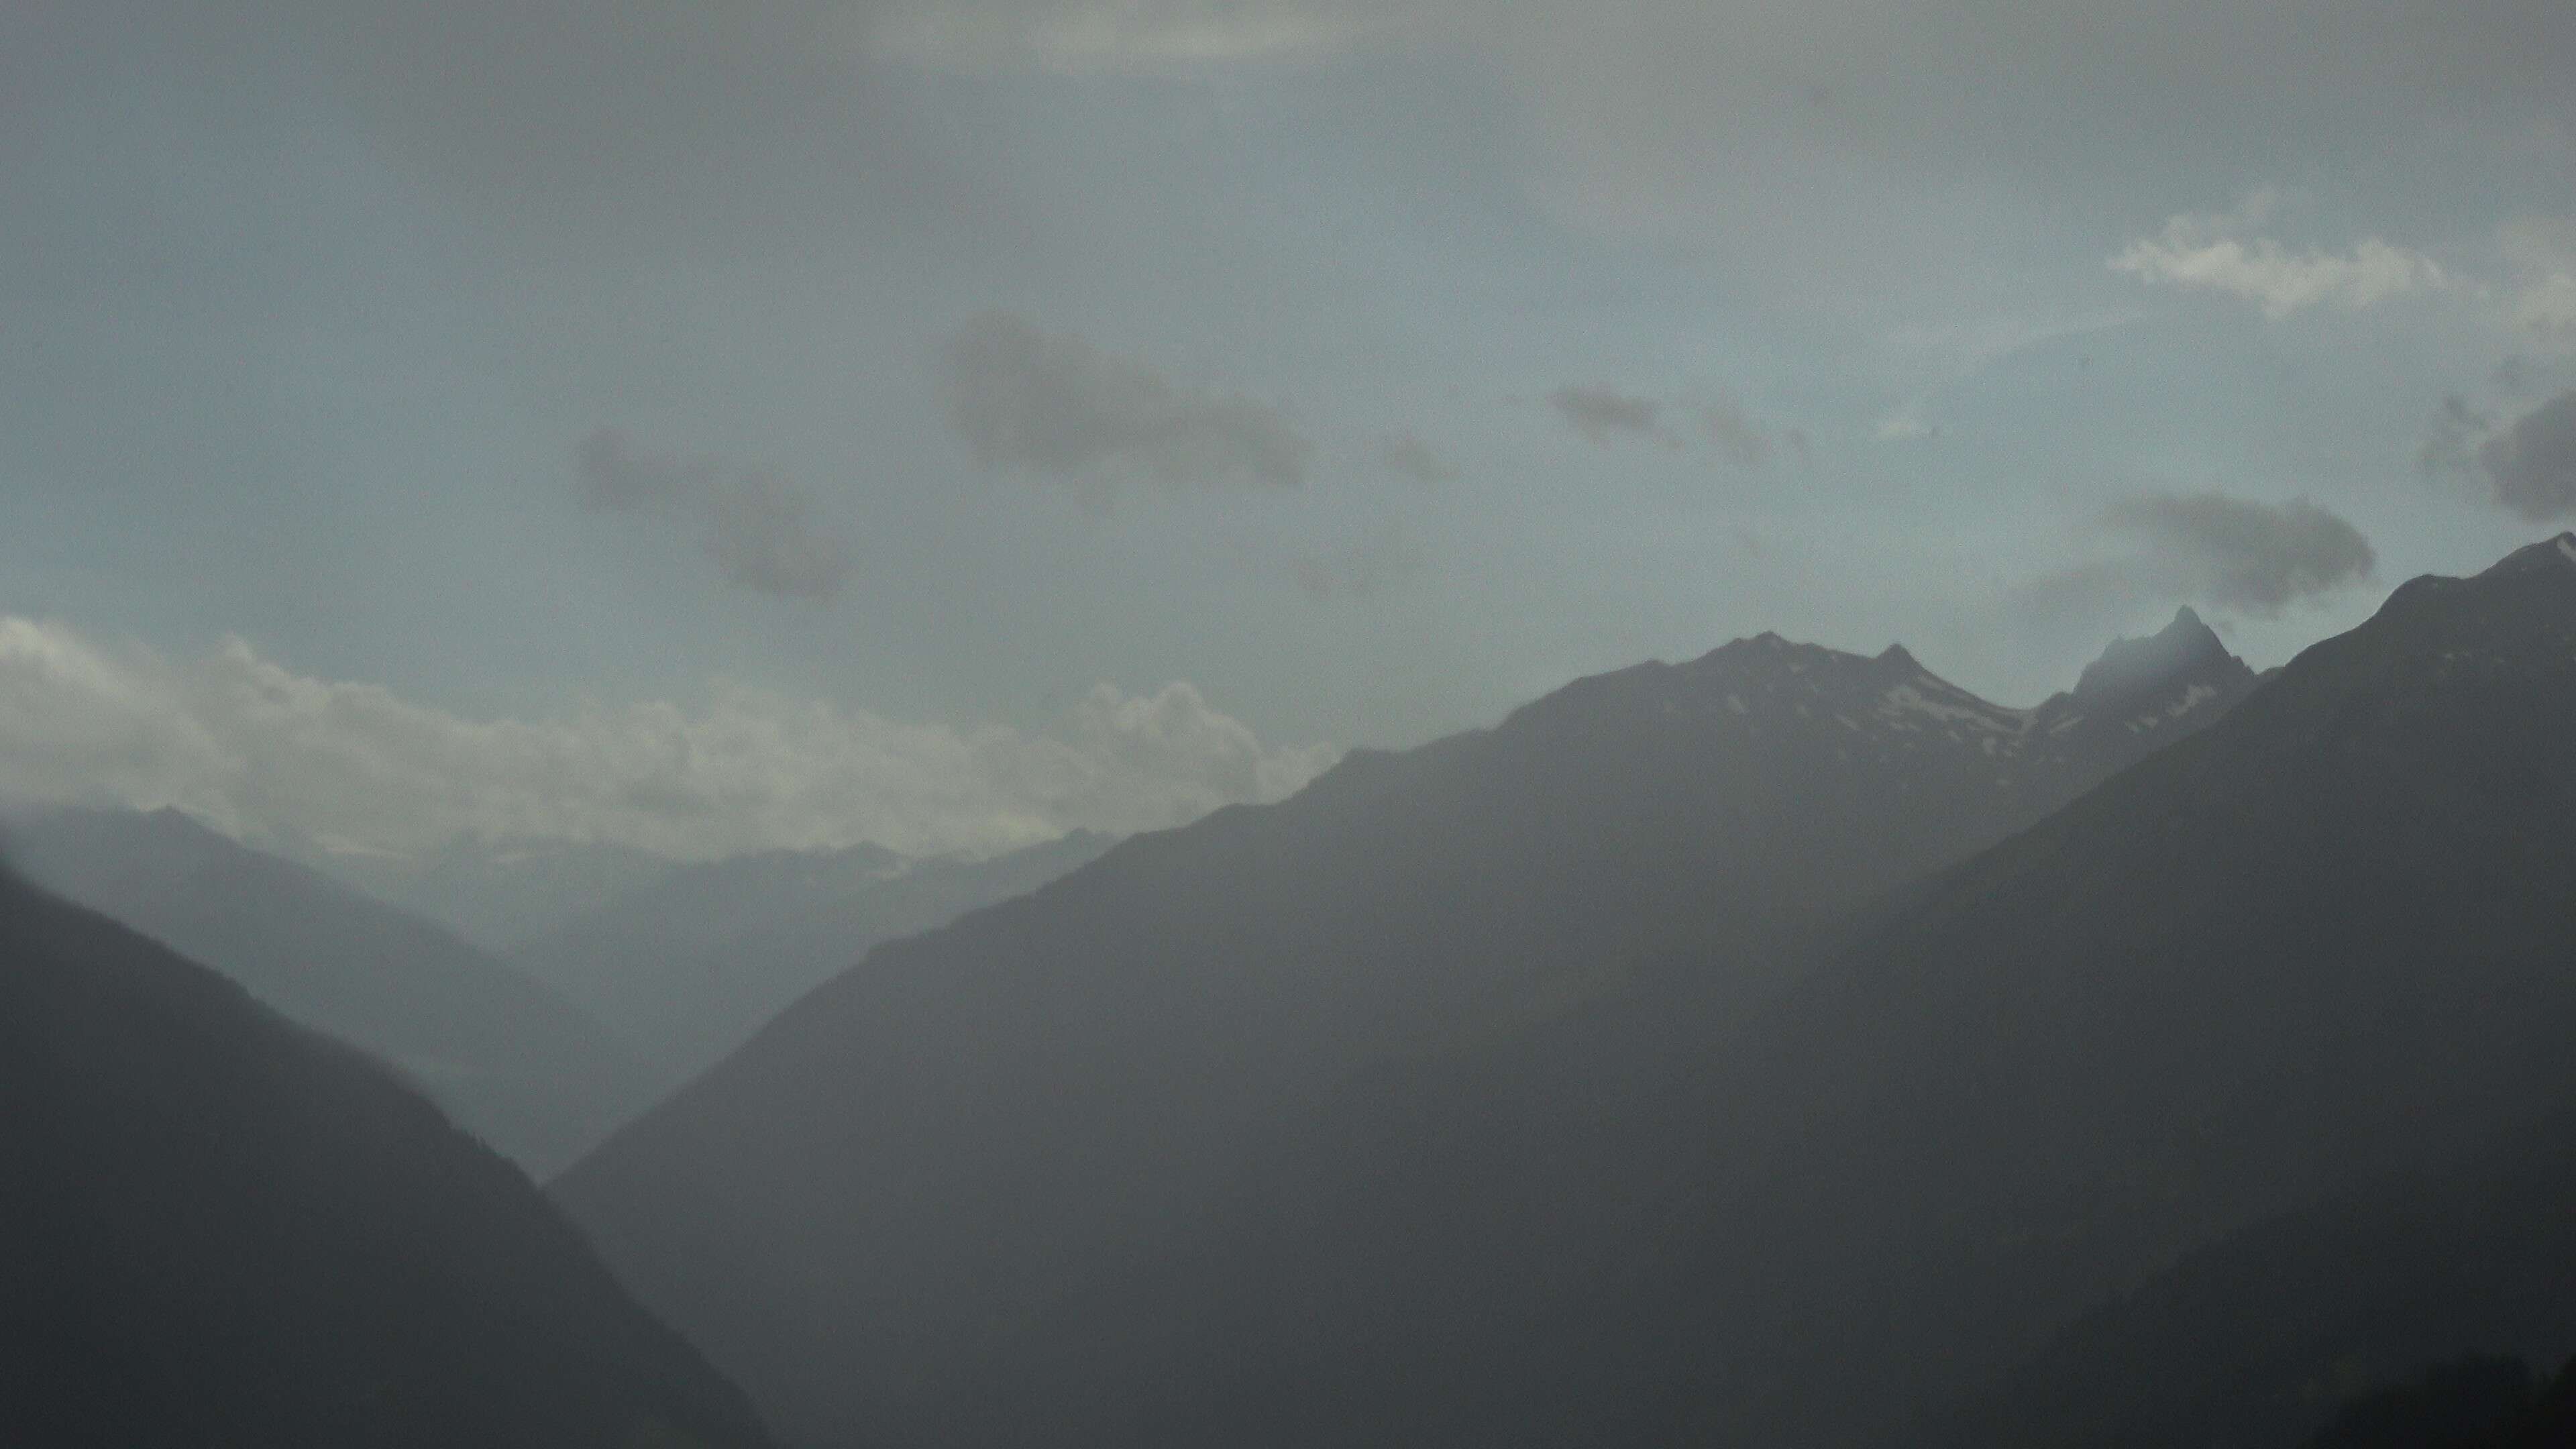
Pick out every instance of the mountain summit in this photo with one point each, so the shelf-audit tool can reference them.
(937, 1146)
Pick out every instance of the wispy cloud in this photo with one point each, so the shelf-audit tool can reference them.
(1407, 454)
(2215, 252)
(1051, 405)
(2225, 553)
(765, 534)
(1363, 570)
(2526, 466)
(1602, 415)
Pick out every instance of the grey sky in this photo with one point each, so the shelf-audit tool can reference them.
(998, 352)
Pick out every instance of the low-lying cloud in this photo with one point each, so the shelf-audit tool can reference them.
(1052, 406)
(763, 533)
(266, 753)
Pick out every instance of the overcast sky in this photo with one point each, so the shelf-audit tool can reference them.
(792, 422)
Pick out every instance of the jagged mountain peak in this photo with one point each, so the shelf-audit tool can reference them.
(2137, 668)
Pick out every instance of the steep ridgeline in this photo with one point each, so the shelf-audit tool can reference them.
(2251, 1342)
(685, 967)
(219, 1228)
(2327, 939)
(893, 1177)
(514, 1063)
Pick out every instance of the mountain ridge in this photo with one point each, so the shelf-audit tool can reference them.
(1105, 1044)
(512, 1059)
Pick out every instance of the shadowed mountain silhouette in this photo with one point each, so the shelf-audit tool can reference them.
(2324, 940)
(217, 1227)
(2250, 1341)
(892, 1179)
(513, 1062)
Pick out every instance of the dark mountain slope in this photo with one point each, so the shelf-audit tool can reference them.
(2326, 939)
(218, 1228)
(2250, 1342)
(512, 1061)
(688, 965)
(923, 1154)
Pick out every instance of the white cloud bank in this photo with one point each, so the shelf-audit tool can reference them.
(2211, 253)
(266, 753)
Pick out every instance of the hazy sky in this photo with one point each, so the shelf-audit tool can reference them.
(711, 425)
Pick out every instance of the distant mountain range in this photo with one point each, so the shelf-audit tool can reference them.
(220, 1228)
(688, 964)
(498, 894)
(514, 1062)
(930, 1165)
(1783, 1048)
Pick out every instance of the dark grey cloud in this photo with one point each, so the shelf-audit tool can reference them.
(1601, 415)
(2451, 440)
(2532, 463)
(765, 534)
(1027, 400)
(2255, 557)
(1415, 459)
(1735, 434)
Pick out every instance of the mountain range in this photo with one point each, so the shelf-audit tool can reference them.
(217, 1227)
(932, 1163)
(686, 965)
(512, 1060)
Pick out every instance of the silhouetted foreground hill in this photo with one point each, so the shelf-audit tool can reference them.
(217, 1228)
(979, 1125)
(515, 1063)
(2250, 1342)
(688, 965)
(2478, 1402)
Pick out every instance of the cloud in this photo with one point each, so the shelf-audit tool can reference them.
(1116, 36)
(2532, 463)
(1734, 433)
(1050, 404)
(1600, 414)
(2207, 252)
(1409, 455)
(2257, 557)
(2451, 441)
(1362, 570)
(1905, 423)
(2542, 300)
(763, 533)
(264, 752)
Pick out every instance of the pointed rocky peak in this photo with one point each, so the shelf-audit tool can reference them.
(2185, 650)
(1898, 657)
